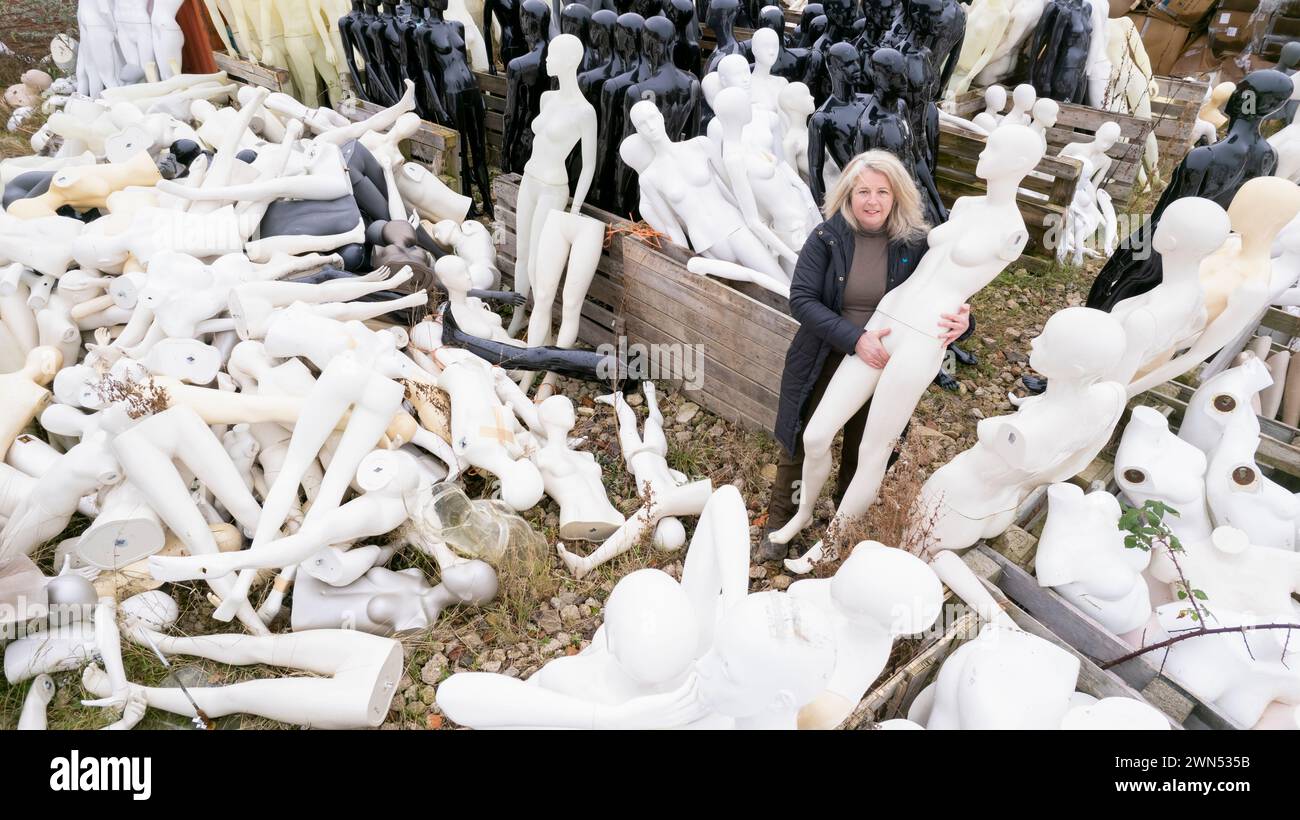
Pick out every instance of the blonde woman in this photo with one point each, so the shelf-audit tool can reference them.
(873, 238)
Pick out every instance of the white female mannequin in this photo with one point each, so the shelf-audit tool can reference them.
(471, 241)
(878, 594)
(1024, 18)
(428, 196)
(1081, 553)
(167, 37)
(796, 106)
(1158, 322)
(98, 58)
(579, 239)
(42, 244)
(1099, 66)
(995, 99)
(1050, 438)
(1239, 493)
(1237, 281)
(573, 478)
(1023, 98)
(1153, 464)
(682, 194)
(1132, 86)
(471, 315)
(135, 36)
(646, 456)
(765, 87)
(982, 236)
(307, 49)
(1091, 207)
(545, 183)
(359, 676)
(1044, 114)
(252, 303)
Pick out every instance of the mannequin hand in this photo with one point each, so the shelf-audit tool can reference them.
(871, 350)
(671, 709)
(133, 711)
(329, 53)
(955, 324)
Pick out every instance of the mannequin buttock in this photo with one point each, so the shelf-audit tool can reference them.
(537, 199)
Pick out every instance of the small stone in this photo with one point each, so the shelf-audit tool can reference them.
(398, 704)
(769, 473)
(432, 670)
(592, 602)
(686, 412)
(781, 582)
(980, 392)
(757, 572)
(492, 666)
(551, 647)
(567, 598)
(1012, 333)
(402, 685)
(977, 413)
(586, 411)
(585, 610)
(497, 655)
(1011, 304)
(570, 614)
(428, 694)
(511, 672)
(634, 400)
(1015, 357)
(473, 641)
(682, 436)
(564, 637)
(1006, 376)
(961, 389)
(550, 622)
(434, 721)
(989, 341)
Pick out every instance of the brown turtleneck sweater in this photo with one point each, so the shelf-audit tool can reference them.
(867, 276)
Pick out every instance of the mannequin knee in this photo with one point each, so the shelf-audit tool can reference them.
(817, 441)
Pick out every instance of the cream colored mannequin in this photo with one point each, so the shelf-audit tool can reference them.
(471, 315)
(987, 23)
(428, 196)
(955, 267)
(1132, 84)
(42, 244)
(10, 168)
(308, 49)
(86, 187)
(1024, 17)
(1237, 280)
(1210, 118)
(24, 393)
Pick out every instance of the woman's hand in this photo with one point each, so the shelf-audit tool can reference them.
(955, 324)
(871, 349)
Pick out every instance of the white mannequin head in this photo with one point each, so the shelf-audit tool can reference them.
(733, 71)
(1191, 226)
(732, 105)
(636, 152)
(650, 626)
(887, 586)
(766, 47)
(557, 416)
(770, 652)
(1077, 343)
(995, 99)
(1012, 150)
(156, 609)
(1107, 135)
(1046, 111)
(1024, 96)
(797, 101)
(563, 55)
(453, 272)
(649, 123)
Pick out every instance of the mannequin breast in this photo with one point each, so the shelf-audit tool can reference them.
(555, 133)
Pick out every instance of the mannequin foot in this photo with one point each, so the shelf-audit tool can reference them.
(804, 564)
(782, 536)
(612, 399)
(576, 564)
(407, 102)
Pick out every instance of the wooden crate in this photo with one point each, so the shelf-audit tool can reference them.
(601, 311)
(1078, 123)
(276, 79)
(1174, 110)
(494, 100)
(892, 698)
(434, 145)
(1044, 196)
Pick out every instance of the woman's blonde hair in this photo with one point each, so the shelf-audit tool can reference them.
(906, 221)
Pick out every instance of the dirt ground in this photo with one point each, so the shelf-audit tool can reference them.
(542, 611)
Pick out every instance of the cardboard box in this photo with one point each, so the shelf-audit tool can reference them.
(1162, 39)
(1238, 5)
(1230, 32)
(1188, 13)
(1196, 60)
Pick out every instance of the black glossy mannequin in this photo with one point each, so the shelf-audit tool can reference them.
(833, 126)
(412, 28)
(1214, 172)
(884, 122)
(794, 64)
(878, 17)
(600, 46)
(378, 75)
(574, 19)
(803, 36)
(924, 114)
(627, 47)
(393, 57)
(512, 34)
(587, 365)
(722, 21)
(1287, 64)
(936, 27)
(648, 8)
(526, 81)
(841, 21)
(686, 53)
(1060, 51)
(675, 93)
(443, 52)
(353, 43)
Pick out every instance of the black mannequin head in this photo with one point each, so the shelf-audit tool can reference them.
(657, 39)
(185, 150)
(1259, 94)
(843, 63)
(681, 12)
(600, 32)
(810, 13)
(923, 16)
(357, 6)
(1290, 56)
(574, 18)
(722, 14)
(648, 8)
(627, 34)
(888, 73)
(816, 28)
(535, 21)
(772, 17)
(840, 13)
(372, 6)
(437, 5)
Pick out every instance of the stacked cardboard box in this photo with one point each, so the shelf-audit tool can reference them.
(1163, 38)
(1230, 27)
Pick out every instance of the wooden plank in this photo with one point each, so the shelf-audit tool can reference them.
(1088, 637)
(276, 79)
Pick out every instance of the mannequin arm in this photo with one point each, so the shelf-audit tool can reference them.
(749, 209)
(516, 399)
(1139, 336)
(512, 127)
(317, 15)
(816, 161)
(589, 143)
(305, 186)
(109, 643)
(489, 6)
(360, 311)
(1228, 324)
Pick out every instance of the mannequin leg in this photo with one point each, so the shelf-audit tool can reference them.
(381, 121)
(528, 232)
(303, 67)
(472, 118)
(715, 572)
(738, 273)
(745, 249)
(263, 249)
(852, 385)
(579, 240)
(628, 439)
(329, 73)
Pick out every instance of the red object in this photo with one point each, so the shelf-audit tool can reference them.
(196, 56)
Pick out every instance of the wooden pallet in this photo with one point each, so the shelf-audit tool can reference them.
(494, 99)
(434, 145)
(1174, 110)
(276, 79)
(1078, 123)
(1044, 196)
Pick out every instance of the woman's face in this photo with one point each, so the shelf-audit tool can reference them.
(873, 200)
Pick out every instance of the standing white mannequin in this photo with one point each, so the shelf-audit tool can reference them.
(98, 58)
(982, 236)
(545, 183)
(1023, 98)
(797, 105)
(1099, 66)
(1091, 199)
(167, 37)
(135, 36)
